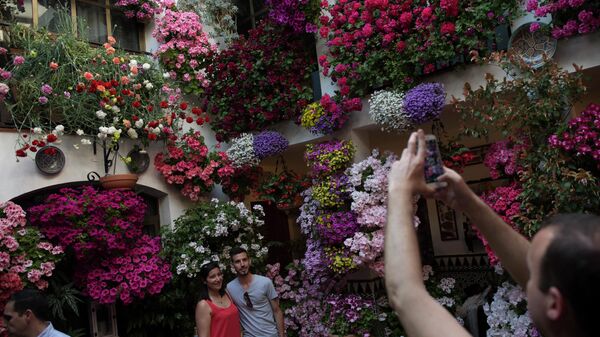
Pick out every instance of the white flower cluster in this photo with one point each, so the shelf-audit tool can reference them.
(241, 151)
(502, 316)
(386, 110)
(446, 301)
(447, 284)
(217, 236)
(220, 14)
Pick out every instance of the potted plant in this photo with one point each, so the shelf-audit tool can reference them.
(283, 188)
(249, 90)
(188, 164)
(61, 85)
(101, 95)
(185, 50)
(140, 10)
(113, 260)
(27, 256)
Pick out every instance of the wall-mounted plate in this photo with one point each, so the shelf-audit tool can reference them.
(50, 159)
(532, 47)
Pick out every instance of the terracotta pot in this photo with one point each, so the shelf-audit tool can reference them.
(119, 181)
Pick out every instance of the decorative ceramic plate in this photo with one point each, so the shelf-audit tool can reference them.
(50, 159)
(532, 47)
(139, 161)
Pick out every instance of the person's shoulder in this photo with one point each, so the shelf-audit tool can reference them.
(59, 334)
(263, 279)
(52, 332)
(233, 283)
(203, 306)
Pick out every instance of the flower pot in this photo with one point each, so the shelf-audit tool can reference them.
(119, 181)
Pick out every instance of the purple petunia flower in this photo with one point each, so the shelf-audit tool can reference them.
(424, 102)
(269, 143)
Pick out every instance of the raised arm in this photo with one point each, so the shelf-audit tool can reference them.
(202, 317)
(420, 314)
(510, 246)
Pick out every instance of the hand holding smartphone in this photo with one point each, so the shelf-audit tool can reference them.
(434, 166)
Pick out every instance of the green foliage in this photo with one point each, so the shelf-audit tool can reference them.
(530, 107)
(169, 314)
(61, 61)
(63, 297)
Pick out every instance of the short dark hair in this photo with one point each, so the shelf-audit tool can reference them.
(237, 250)
(31, 299)
(572, 264)
(204, 271)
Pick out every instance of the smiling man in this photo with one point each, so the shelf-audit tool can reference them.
(27, 315)
(256, 299)
(559, 268)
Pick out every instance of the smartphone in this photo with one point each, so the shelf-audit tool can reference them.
(434, 166)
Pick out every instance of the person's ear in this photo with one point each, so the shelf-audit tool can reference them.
(555, 304)
(28, 314)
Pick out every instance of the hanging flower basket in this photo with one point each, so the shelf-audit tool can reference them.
(119, 181)
(295, 204)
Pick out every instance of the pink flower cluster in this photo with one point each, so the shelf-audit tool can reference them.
(138, 271)
(301, 299)
(185, 50)
(9, 283)
(104, 229)
(89, 220)
(368, 191)
(189, 165)
(569, 17)
(142, 10)
(22, 249)
(504, 201)
(502, 158)
(368, 249)
(582, 136)
(6, 75)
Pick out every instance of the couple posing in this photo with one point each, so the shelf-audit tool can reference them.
(249, 299)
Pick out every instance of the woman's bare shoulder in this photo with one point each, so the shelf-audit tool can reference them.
(202, 305)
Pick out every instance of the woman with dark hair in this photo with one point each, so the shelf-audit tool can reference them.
(216, 314)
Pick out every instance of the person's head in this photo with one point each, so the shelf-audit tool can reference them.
(212, 279)
(564, 264)
(25, 311)
(240, 261)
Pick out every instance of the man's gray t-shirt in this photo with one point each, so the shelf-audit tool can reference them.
(257, 321)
